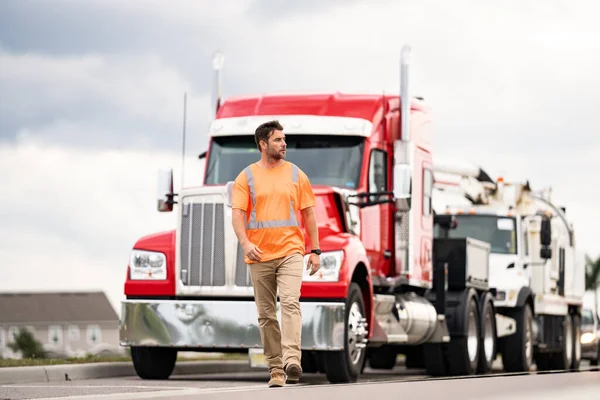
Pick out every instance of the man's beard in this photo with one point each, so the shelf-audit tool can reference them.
(275, 155)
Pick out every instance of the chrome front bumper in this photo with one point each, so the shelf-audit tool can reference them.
(213, 325)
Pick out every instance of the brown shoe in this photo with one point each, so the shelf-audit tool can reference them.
(294, 372)
(277, 379)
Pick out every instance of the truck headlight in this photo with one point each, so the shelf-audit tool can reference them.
(331, 262)
(147, 265)
(587, 338)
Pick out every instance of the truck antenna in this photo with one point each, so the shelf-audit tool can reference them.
(217, 62)
(405, 94)
(183, 144)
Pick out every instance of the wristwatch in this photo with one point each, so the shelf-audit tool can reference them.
(316, 251)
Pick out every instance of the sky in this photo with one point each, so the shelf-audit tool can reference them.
(91, 105)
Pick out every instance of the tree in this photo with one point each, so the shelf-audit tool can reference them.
(592, 273)
(28, 345)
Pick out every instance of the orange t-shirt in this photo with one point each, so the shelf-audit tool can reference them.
(271, 199)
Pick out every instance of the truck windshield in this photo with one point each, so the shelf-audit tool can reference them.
(500, 232)
(326, 160)
(587, 318)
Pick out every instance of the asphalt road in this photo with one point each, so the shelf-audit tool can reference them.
(583, 384)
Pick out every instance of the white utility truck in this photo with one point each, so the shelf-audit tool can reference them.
(535, 271)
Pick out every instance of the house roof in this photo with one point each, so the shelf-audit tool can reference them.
(63, 307)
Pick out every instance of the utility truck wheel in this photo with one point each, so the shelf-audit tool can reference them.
(346, 365)
(563, 359)
(576, 329)
(153, 362)
(464, 350)
(489, 336)
(517, 349)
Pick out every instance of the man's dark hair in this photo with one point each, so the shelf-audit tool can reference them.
(264, 131)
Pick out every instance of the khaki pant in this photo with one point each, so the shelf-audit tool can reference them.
(284, 274)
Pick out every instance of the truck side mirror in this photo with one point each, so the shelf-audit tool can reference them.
(546, 253)
(402, 186)
(545, 232)
(164, 191)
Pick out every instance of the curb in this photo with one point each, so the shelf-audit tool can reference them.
(65, 372)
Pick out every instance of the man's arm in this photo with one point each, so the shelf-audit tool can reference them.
(310, 222)
(250, 249)
(239, 204)
(239, 227)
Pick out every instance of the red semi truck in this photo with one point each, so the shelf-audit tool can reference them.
(386, 286)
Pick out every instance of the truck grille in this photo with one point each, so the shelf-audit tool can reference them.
(204, 242)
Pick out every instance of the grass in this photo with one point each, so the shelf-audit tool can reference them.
(28, 362)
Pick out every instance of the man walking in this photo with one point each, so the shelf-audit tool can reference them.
(267, 196)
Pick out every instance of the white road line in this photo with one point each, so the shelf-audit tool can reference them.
(75, 386)
(124, 396)
(167, 391)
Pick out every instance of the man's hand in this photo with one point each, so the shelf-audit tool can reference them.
(314, 263)
(252, 251)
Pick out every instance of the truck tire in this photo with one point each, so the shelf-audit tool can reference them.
(464, 350)
(489, 337)
(563, 359)
(345, 366)
(383, 358)
(517, 349)
(435, 360)
(153, 362)
(576, 329)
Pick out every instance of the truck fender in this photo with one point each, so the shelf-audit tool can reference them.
(524, 294)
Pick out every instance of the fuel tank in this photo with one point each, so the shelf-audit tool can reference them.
(407, 319)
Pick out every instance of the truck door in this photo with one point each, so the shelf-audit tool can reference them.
(375, 230)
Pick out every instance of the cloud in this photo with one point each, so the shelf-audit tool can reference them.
(96, 101)
(72, 214)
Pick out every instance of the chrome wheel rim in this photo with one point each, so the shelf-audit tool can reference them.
(577, 343)
(357, 333)
(488, 340)
(568, 342)
(472, 339)
(528, 341)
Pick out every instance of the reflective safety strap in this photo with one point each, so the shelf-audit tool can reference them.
(253, 223)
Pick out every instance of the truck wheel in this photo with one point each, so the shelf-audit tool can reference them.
(517, 354)
(345, 366)
(563, 359)
(383, 358)
(464, 350)
(153, 362)
(489, 338)
(576, 329)
(435, 360)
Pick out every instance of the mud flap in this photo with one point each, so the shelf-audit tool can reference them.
(505, 326)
